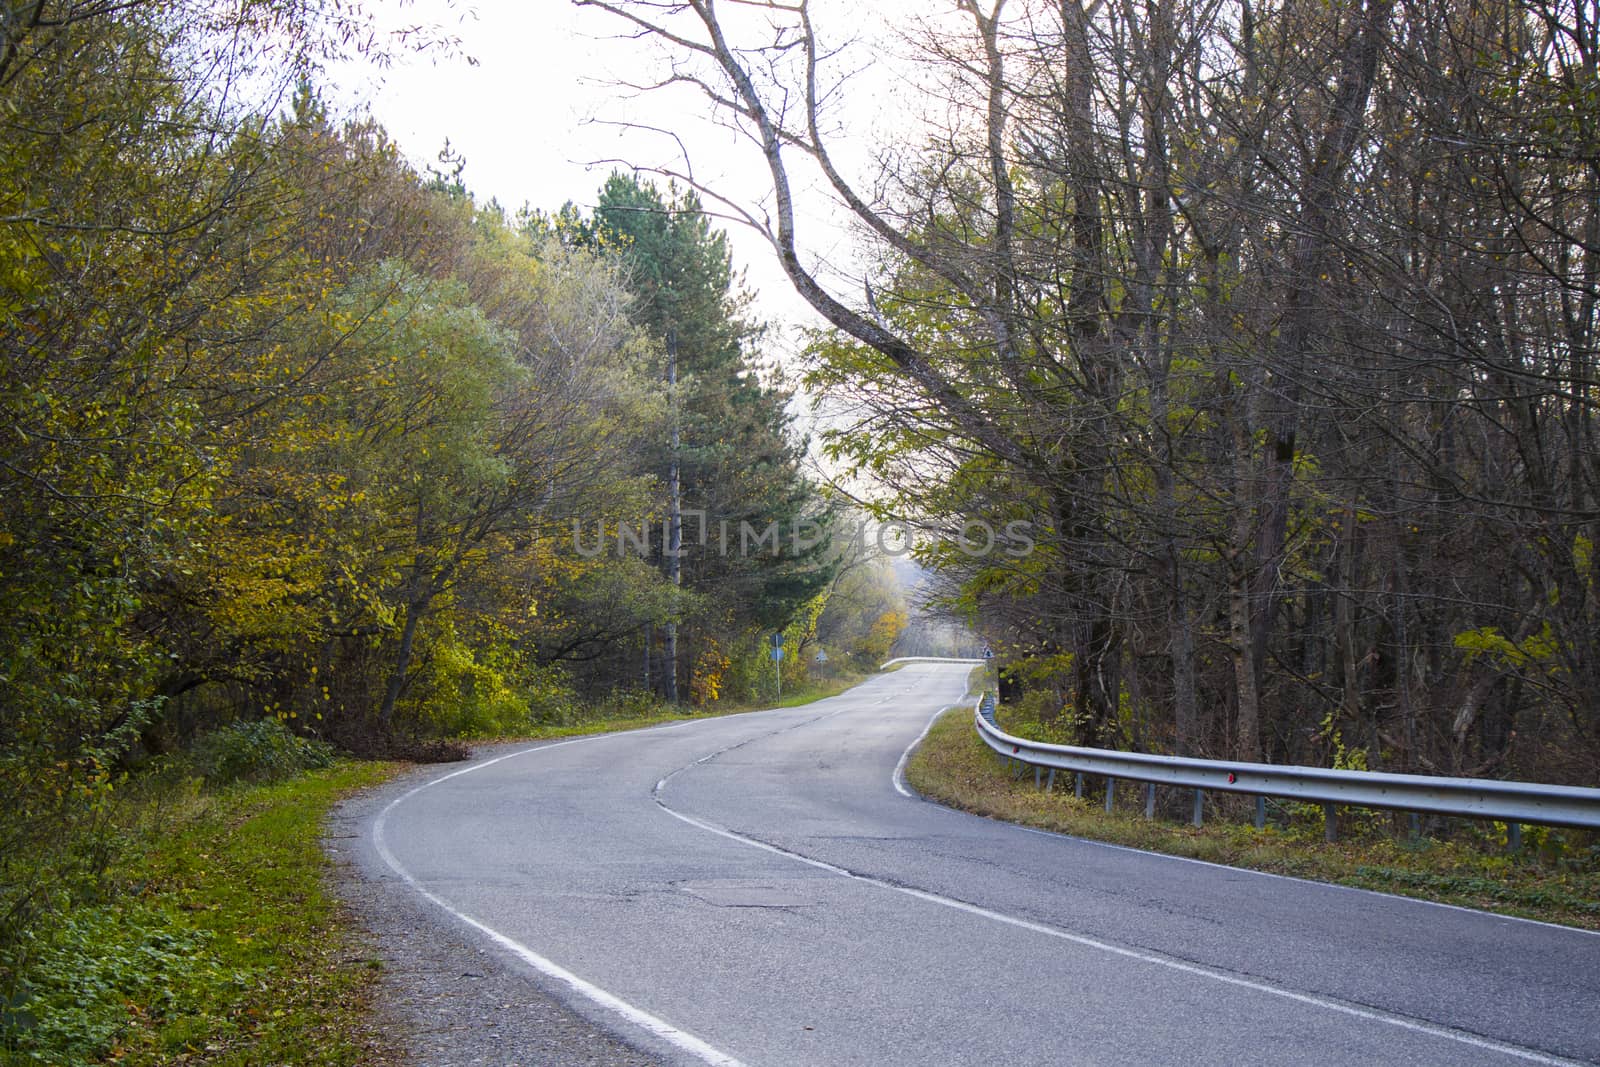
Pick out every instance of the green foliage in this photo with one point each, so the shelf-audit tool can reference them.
(1240, 436)
(1040, 716)
(484, 689)
(212, 939)
(1496, 889)
(261, 751)
(1533, 651)
(293, 438)
(738, 460)
(681, 273)
(283, 430)
(624, 704)
(100, 960)
(750, 677)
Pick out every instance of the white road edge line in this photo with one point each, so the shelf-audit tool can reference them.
(899, 776)
(652, 1024)
(1370, 1014)
(905, 757)
(1497, 916)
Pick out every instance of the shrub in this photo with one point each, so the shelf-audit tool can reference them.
(261, 751)
(1040, 716)
(625, 704)
(85, 977)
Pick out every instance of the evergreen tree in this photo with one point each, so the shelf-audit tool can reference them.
(738, 462)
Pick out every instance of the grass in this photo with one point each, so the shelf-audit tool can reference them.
(215, 940)
(658, 714)
(811, 692)
(1556, 878)
(213, 937)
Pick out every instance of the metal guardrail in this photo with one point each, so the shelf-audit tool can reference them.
(928, 659)
(1511, 802)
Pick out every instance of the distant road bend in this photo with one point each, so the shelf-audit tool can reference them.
(761, 889)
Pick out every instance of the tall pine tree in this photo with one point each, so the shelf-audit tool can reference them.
(736, 460)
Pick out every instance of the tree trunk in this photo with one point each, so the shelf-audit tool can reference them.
(396, 684)
(674, 527)
(1303, 304)
(1344, 623)
(1247, 726)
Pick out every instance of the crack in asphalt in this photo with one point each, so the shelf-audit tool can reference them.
(1128, 950)
(1240, 979)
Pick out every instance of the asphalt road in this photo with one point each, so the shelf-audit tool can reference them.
(759, 889)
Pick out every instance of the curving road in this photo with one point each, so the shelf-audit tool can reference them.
(760, 889)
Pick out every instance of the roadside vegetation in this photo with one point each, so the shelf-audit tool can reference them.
(635, 714)
(1234, 362)
(1555, 877)
(207, 932)
(304, 448)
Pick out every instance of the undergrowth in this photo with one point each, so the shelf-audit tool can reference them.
(207, 934)
(636, 712)
(210, 938)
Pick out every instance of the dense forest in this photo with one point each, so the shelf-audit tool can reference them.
(297, 437)
(1274, 323)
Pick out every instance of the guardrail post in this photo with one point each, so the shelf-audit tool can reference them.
(1330, 823)
(1111, 792)
(1077, 787)
(1261, 811)
(1416, 826)
(1050, 784)
(1199, 816)
(1150, 800)
(1514, 836)
(1038, 775)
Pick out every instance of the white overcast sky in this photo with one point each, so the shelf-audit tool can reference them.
(535, 118)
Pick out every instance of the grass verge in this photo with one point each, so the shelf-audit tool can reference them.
(1552, 879)
(810, 693)
(214, 940)
(213, 937)
(604, 724)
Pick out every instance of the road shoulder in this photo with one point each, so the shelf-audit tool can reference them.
(446, 996)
